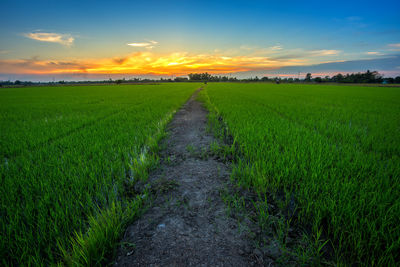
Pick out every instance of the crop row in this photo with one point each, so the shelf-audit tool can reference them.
(84, 152)
(333, 149)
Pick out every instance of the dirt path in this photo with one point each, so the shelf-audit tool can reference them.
(187, 224)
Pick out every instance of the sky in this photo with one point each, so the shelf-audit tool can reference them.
(86, 40)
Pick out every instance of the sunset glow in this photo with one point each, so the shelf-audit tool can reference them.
(176, 39)
(149, 63)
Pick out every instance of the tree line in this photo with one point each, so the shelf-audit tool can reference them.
(360, 77)
(365, 77)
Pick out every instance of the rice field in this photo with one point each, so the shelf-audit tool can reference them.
(332, 151)
(66, 154)
(70, 157)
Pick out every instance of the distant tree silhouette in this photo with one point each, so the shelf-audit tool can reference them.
(318, 79)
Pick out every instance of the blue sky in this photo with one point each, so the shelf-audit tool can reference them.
(177, 37)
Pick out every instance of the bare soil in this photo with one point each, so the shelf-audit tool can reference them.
(188, 223)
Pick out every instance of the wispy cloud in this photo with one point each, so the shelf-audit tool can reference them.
(248, 47)
(148, 45)
(356, 22)
(143, 63)
(324, 52)
(276, 47)
(35, 65)
(4, 52)
(178, 63)
(279, 53)
(394, 47)
(181, 63)
(52, 37)
(374, 53)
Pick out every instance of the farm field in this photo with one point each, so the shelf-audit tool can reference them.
(333, 152)
(327, 156)
(65, 156)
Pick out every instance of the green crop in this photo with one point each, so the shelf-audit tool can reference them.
(332, 150)
(66, 155)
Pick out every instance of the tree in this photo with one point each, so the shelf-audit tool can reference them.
(308, 77)
(389, 80)
(318, 79)
(181, 79)
(337, 78)
(199, 76)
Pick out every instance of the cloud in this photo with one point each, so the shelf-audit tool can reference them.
(148, 45)
(277, 52)
(148, 63)
(182, 63)
(374, 53)
(145, 63)
(121, 60)
(36, 66)
(395, 47)
(324, 52)
(64, 39)
(276, 47)
(247, 47)
(356, 22)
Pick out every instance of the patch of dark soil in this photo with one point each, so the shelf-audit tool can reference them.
(188, 223)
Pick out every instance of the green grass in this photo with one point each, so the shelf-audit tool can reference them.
(68, 155)
(334, 150)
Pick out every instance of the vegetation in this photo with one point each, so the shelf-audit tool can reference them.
(329, 154)
(367, 77)
(69, 158)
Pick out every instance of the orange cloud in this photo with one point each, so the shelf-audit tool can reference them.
(142, 63)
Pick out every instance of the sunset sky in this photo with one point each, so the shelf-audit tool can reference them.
(78, 40)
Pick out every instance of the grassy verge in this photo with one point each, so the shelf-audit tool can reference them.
(97, 246)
